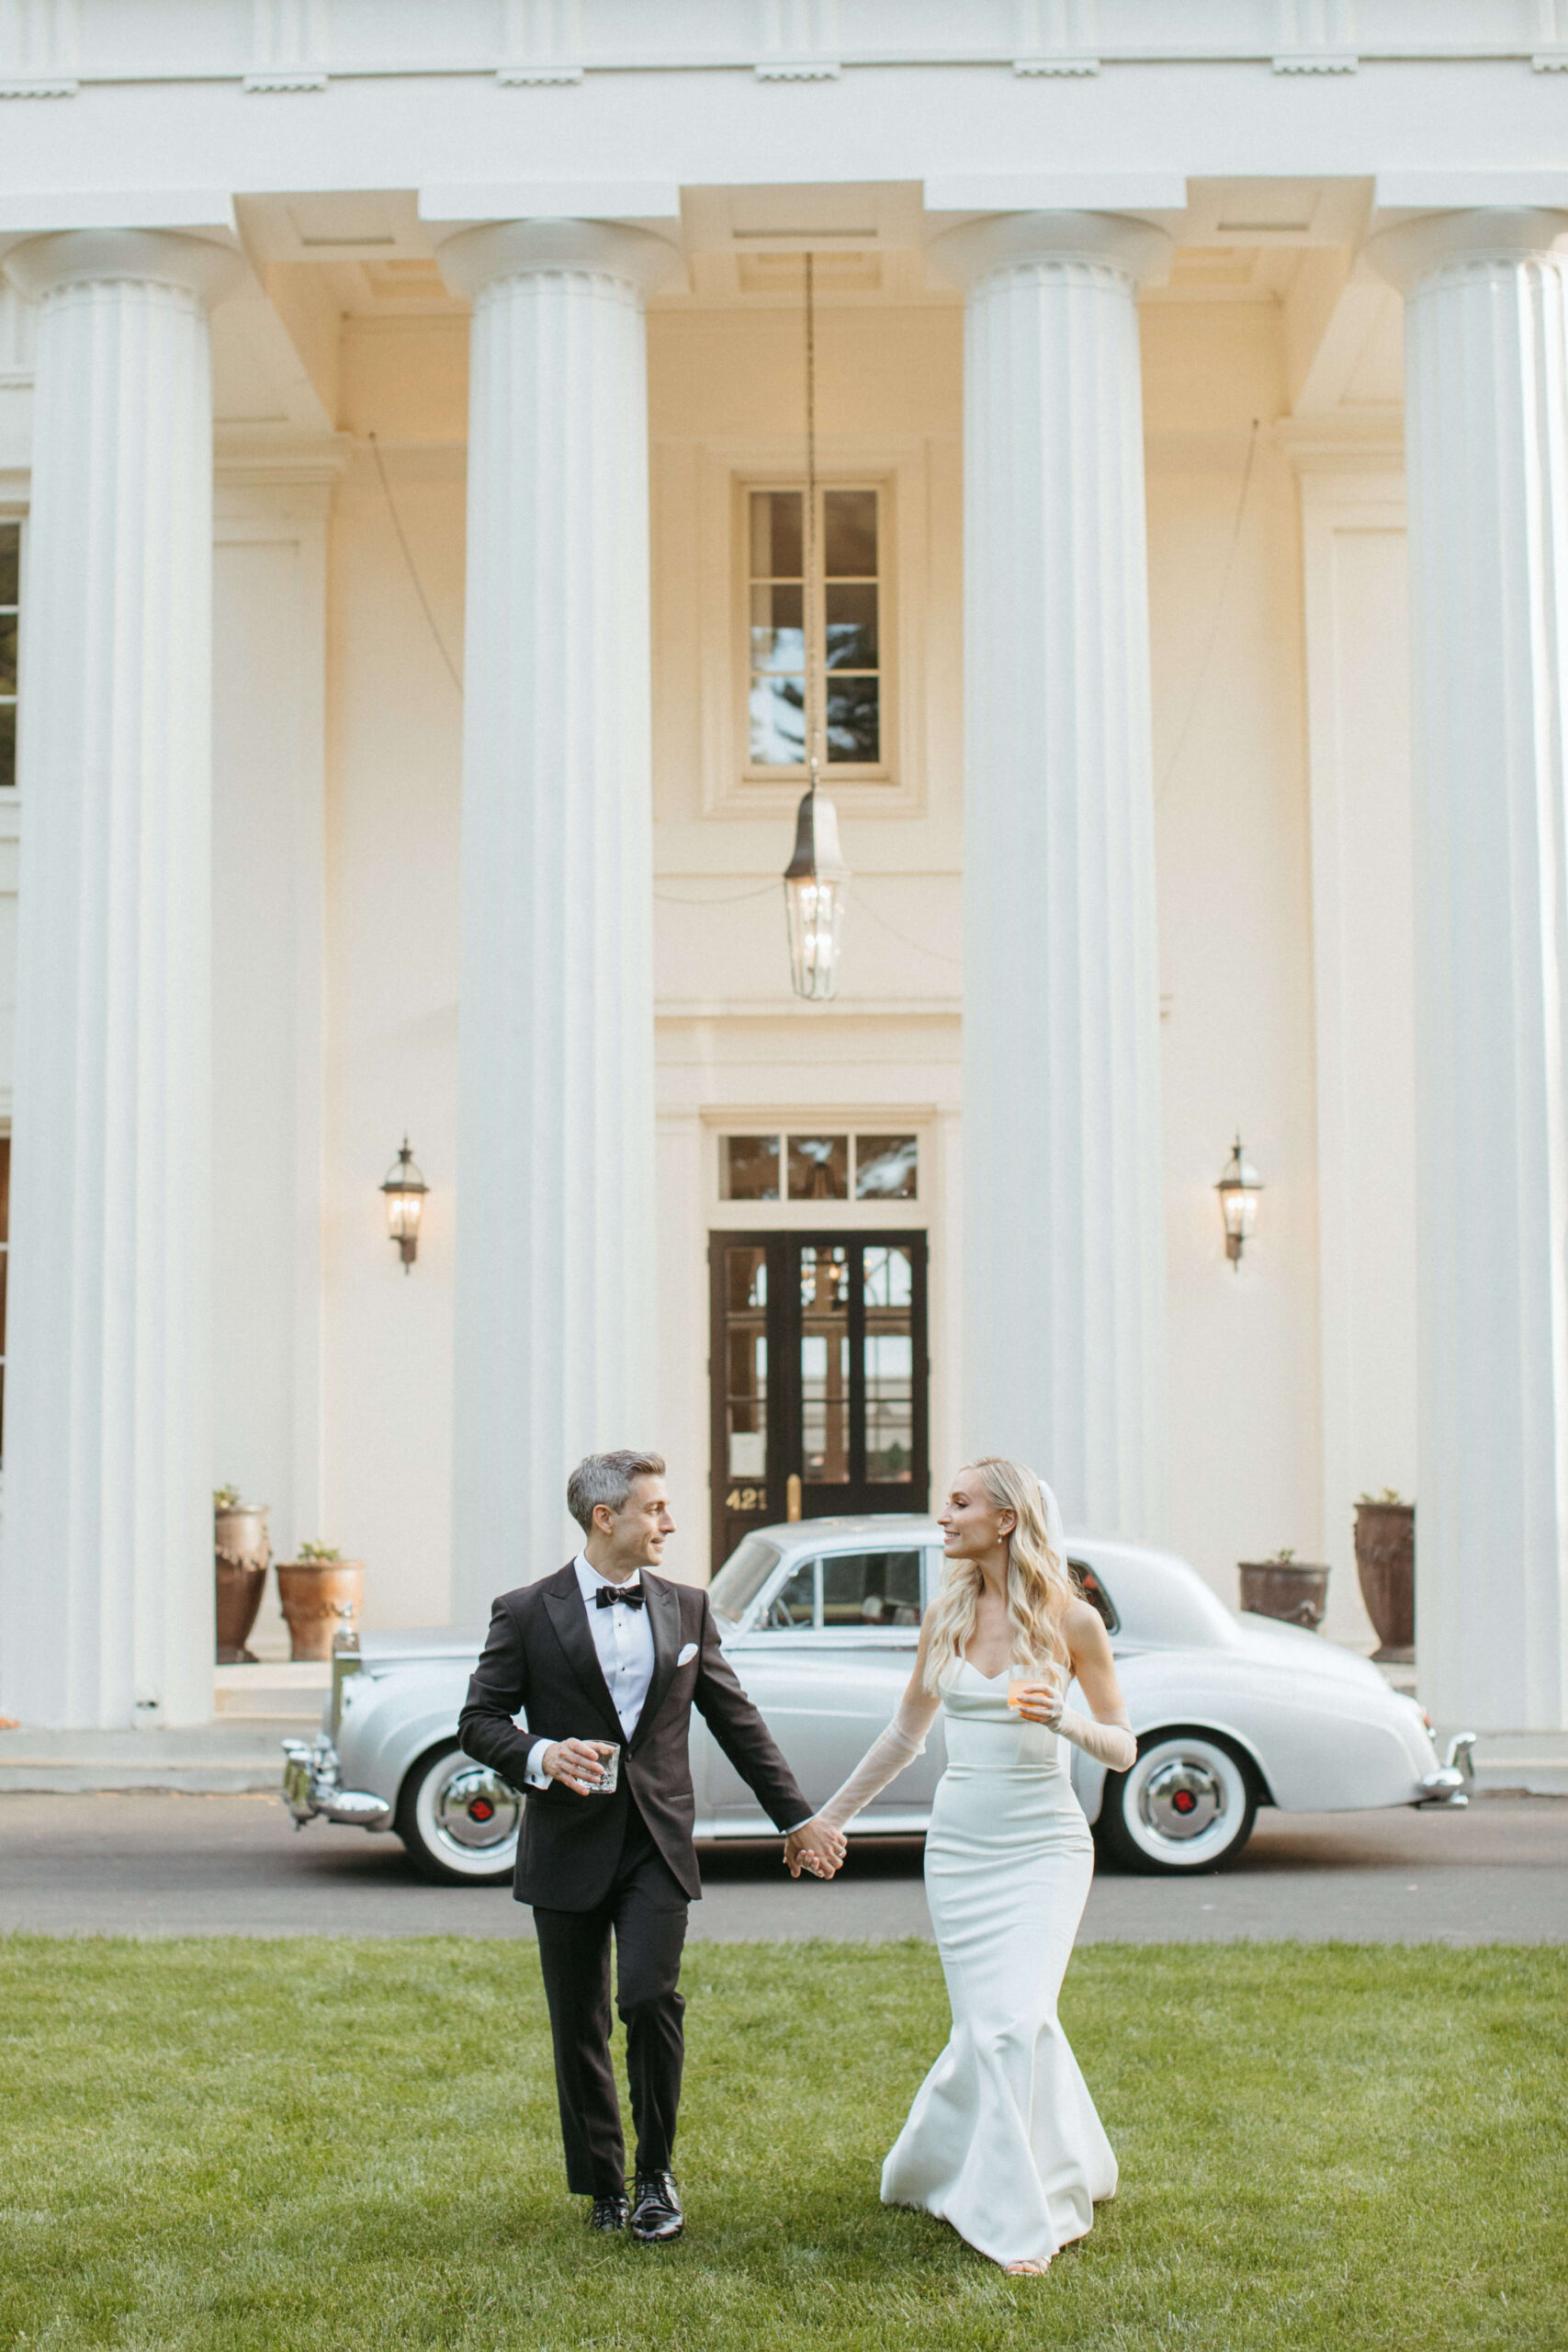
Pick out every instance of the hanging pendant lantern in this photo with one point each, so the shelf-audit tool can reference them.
(816, 877)
(813, 896)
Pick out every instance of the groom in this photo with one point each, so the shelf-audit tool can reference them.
(608, 1662)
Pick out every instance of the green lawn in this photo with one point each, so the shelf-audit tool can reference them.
(321, 2146)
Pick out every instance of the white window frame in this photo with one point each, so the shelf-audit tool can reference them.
(727, 472)
(834, 772)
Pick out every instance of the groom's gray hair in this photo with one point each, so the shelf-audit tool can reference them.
(607, 1478)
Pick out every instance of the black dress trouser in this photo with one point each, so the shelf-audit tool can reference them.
(646, 1908)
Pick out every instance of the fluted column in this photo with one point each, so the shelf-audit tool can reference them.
(556, 1308)
(1064, 1277)
(1486, 453)
(106, 1588)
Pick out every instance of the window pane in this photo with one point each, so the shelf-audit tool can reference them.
(742, 1576)
(825, 1365)
(872, 1588)
(778, 722)
(886, 1168)
(818, 1168)
(745, 1280)
(854, 725)
(749, 1168)
(776, 535)
(851, 627)
(849, 530)
(746, 1367)
(889, 1366)
(10, 562)
(7, 653)
(778, 632)
(889, 1280)
(7, 743)
(795, 1603)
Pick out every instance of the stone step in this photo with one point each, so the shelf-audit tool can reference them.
(296, 1689)
(225, 1758)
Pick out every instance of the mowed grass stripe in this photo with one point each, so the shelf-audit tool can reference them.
(324, 2144)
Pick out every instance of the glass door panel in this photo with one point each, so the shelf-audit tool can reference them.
(825, 1382)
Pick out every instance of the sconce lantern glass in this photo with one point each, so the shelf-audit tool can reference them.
(814, 897)
(403, 1191)
(1238, 1188)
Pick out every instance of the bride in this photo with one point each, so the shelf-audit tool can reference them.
(1003, 2141)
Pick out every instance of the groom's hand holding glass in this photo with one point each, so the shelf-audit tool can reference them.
(581, 1765)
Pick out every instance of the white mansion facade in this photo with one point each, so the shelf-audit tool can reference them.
(402, 521)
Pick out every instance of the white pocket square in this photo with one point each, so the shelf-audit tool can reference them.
(688, 1652)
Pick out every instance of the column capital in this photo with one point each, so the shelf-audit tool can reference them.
(475, 258)
(1005, 240)
(142, 256)
(1439, 241)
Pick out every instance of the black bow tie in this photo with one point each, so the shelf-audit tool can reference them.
(608, 1594)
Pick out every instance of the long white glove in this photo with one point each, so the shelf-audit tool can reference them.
(1110, 1744)
(904, 1739)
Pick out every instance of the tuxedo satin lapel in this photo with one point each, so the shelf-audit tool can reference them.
(664, 1618)
(569, 1620)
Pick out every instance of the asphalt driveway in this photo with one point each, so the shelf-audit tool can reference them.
(164, 1865)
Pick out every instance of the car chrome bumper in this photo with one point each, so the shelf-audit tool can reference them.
(1448, 1785)
(312, 1788)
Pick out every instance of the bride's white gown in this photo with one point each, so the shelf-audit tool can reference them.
(1003, 2141)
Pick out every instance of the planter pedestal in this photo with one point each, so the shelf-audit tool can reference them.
(1294, 1591)
(242, 1553)
(319, 1598)
(1385, 1566)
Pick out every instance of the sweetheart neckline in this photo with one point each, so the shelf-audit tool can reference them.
(983, 1677)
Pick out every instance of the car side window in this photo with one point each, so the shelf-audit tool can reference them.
(871, 1589)
(793, 1608)
(1087, 1583)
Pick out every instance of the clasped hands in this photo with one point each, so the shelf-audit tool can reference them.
(816, 1848)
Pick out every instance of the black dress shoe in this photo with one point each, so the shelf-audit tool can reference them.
(656, 2209)
(609, 2213)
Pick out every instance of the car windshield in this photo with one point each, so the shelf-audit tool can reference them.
(742, 1576)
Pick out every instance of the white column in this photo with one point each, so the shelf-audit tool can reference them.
(1486, 453)
(1064, 1262)
(557, 1309)
(106, 1598)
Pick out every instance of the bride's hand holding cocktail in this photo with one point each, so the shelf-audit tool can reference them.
(1036, 1692)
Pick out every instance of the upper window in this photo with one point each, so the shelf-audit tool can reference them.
(10, 601)
(844, 627)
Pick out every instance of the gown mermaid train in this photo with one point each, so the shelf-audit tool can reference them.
(1003, 2141)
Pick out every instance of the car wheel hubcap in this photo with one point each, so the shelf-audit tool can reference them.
(477, 1812)
(1182, 1799)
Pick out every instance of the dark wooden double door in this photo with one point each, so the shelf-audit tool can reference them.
(820, 1377)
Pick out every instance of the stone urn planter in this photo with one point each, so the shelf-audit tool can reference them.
(1294, 1591)
(1385, 1563)
(242, 1557)
(321, 1596)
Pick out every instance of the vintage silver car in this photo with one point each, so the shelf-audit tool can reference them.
(820, 1619)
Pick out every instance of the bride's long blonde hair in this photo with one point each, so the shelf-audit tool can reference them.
(1039, 1588)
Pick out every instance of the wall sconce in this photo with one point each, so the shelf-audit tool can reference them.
(1238, 1188)
(404, 1191)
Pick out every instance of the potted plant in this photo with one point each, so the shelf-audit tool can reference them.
(1294, 1591)
(1386, 1564)
(241, 1558)
(321, 1592)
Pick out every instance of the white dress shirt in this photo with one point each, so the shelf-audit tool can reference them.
(624, 1639)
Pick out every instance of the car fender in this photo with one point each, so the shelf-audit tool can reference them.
(389, 1720)
(1171, 1689)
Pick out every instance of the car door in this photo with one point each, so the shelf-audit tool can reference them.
(829, 1649)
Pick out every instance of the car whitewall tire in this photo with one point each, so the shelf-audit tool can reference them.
(458, 1820)
(1187, 1805)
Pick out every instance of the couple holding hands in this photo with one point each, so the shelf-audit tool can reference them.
(606, 1660)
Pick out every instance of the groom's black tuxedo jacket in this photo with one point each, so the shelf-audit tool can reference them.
(539, 1659)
